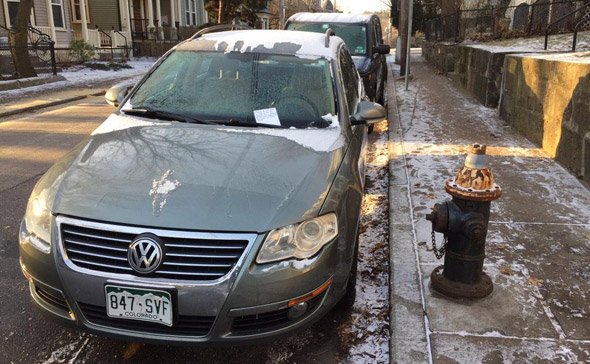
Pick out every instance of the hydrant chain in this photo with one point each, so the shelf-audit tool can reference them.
(438, 252)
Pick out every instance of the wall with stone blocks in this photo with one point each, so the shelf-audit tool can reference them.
(479, 70)
(441, 55)
(547, 98)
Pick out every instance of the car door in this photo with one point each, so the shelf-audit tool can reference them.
(354, 93)
(380, 66)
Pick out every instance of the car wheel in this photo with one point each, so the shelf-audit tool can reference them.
(347, 301)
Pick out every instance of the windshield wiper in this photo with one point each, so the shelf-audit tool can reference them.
(166, 115)
(235, 122)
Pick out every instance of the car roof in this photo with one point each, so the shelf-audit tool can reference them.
(331, 18)
(296, 43)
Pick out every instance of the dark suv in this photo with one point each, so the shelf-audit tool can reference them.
(362, 35)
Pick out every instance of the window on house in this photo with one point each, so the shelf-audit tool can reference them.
(76, 14)
(11, 10)
(190, 12)
(58, 13)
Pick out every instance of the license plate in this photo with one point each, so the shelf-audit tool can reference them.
(139, 304)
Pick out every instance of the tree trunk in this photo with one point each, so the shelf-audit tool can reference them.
(219, 12)
(19, 39)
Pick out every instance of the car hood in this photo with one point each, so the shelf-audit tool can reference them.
(362, 63)
(174, 175)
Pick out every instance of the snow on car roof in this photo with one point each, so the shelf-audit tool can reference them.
(301, 44)
(330, 18)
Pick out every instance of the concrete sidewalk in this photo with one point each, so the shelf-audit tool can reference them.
(538, 245)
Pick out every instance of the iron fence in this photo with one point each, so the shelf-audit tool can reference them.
(42, 56)
(503, 21)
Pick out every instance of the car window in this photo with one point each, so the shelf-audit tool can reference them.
(351, 80)
(221, 86)
(378, 31)
(354, 35)
(375, 33)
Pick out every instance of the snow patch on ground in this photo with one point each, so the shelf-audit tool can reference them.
(68, 353)
(578, 57)
(557, 42)
(80, 76)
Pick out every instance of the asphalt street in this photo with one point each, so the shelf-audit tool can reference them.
(29, 145)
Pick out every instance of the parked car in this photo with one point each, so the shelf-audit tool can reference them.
(363, 37)
(219, 203)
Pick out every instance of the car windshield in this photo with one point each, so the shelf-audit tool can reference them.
(354, 35)
(240, 89)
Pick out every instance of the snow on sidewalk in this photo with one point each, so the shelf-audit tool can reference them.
(536, 251)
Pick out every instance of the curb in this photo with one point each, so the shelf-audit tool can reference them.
(48, 104)
(9, 85)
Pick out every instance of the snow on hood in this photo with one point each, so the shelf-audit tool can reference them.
(161, 188)
(121, 122)
(319, 140)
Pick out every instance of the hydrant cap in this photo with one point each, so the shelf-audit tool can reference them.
(475, 180)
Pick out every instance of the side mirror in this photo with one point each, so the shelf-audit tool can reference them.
(116, 94)
(382, 49)
(369, 113)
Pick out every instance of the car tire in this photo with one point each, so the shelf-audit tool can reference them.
(347, 301)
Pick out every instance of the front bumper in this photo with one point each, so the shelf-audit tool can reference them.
(249, 303)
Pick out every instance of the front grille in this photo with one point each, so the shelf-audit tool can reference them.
(54, 300)
(183, 326)
(185, 258)
(268, 321)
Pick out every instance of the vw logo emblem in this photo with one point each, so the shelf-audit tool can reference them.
(145, 254)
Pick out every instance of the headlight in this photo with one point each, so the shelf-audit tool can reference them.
(299, 241)
(38, 224)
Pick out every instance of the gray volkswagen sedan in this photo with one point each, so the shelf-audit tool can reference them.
(219, 203)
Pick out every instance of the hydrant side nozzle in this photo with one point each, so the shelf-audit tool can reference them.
(439, 217)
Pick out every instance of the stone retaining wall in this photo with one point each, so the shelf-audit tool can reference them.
(442, 55)
(547, 98)
(479, 70)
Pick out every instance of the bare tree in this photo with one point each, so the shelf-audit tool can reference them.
(19, 38)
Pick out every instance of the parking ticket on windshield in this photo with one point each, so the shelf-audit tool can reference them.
(267, 116)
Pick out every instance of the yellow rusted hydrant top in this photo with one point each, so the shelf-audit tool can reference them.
(475, 180)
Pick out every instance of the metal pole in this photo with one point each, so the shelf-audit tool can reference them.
(408, 48)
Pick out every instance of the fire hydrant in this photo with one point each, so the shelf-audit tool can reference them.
(464, 223)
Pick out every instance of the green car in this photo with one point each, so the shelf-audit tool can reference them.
(219, 203)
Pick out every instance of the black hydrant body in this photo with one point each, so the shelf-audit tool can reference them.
(464, 222)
